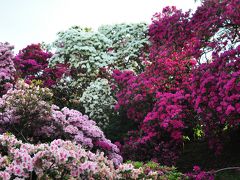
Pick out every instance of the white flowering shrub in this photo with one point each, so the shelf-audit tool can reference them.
(98, 101)
(87, 53)
(129, 43)
(118, 46)
(83, 49)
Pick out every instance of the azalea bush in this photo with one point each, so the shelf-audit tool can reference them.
(31, 60)
(32, 64)
(159, 108)
(175, 93)
(216, 96)
(64, 159)
(57, 160)
(7, 69)
(27, 112)
(84, 50)
(215, 83)
(155, 99)
(162, 130)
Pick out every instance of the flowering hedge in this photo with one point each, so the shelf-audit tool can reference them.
(64, 159)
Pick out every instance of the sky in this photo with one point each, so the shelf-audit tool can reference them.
(24, 22)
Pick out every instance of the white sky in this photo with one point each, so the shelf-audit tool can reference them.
(32, 21)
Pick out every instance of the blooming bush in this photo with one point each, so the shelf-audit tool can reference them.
(32, 64)
(168, 98)
(65, 159)
(7, 70)
(84, 50)
(215, 93)
(98, 101)
(57, 160)
(27, 112)
(31, 60)
(84, 131)
(138, 92)
(129, 45)
(216, 28)
(167, 121)
(215, 83)
(157, 100)
(88, 52)
(169, 32)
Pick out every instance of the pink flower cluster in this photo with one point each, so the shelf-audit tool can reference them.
(157, 100)
(215, 95)
(199, 174)
(7, 70)
(84, 131)
(65, 160)
(59, 159)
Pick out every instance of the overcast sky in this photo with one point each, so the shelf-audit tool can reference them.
(31, 21)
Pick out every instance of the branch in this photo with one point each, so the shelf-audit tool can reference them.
(228, 168)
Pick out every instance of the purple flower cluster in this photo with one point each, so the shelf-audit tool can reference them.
(7, 70)
(85, 131)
